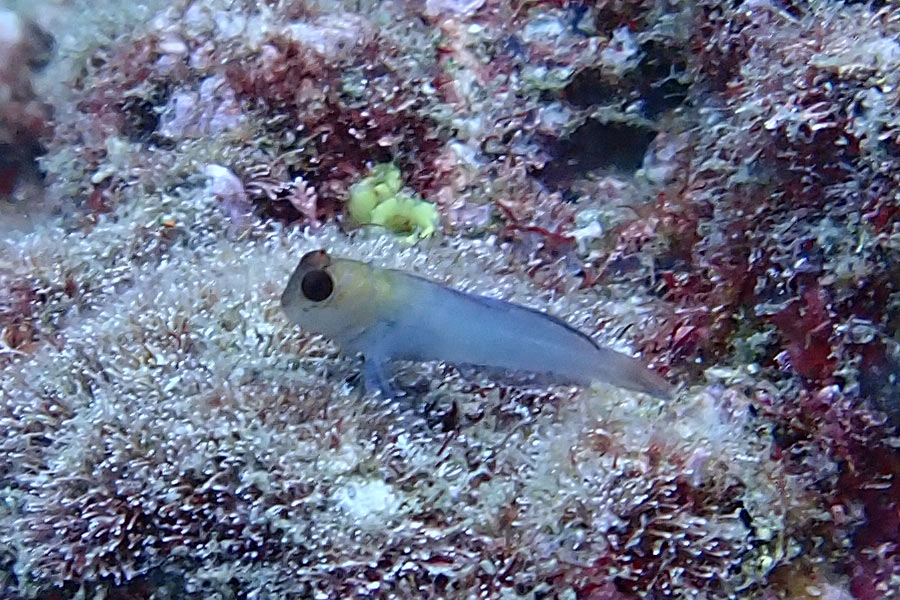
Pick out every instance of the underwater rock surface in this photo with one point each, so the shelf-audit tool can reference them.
(713, 185)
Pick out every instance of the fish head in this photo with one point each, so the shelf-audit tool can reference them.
(336, 297)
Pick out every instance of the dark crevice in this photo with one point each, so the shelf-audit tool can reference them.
(596, 145)
(141, 115)
(658, 79)
(590, 88)
(657, 83)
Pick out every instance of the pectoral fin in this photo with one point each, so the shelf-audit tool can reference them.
(378, 378)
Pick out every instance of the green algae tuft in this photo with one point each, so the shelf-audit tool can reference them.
(379, 199)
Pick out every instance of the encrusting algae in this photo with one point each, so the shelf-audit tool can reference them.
(713, 185)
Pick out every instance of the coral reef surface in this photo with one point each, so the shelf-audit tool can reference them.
(712, 185)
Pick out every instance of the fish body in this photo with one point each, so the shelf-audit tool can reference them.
(386, 314)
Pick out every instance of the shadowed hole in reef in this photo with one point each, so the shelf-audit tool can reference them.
(590, 87)
(140, 116)
(595, 145)
(140, 119)
(658, 83)
(659, 79)
(9, 171)
(18, 164)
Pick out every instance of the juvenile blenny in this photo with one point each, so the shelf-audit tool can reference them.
(386, 314)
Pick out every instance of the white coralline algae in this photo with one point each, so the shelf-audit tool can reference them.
(367, 501)
(168, 433)
(452, 7)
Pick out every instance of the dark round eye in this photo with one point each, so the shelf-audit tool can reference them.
(317, 285)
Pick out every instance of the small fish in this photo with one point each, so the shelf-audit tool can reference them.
(386, 314)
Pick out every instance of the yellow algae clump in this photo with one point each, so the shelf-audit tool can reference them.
(379, 199)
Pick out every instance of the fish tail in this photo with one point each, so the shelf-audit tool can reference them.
(629, 373)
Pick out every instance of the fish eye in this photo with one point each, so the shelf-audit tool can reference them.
(317, 285)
